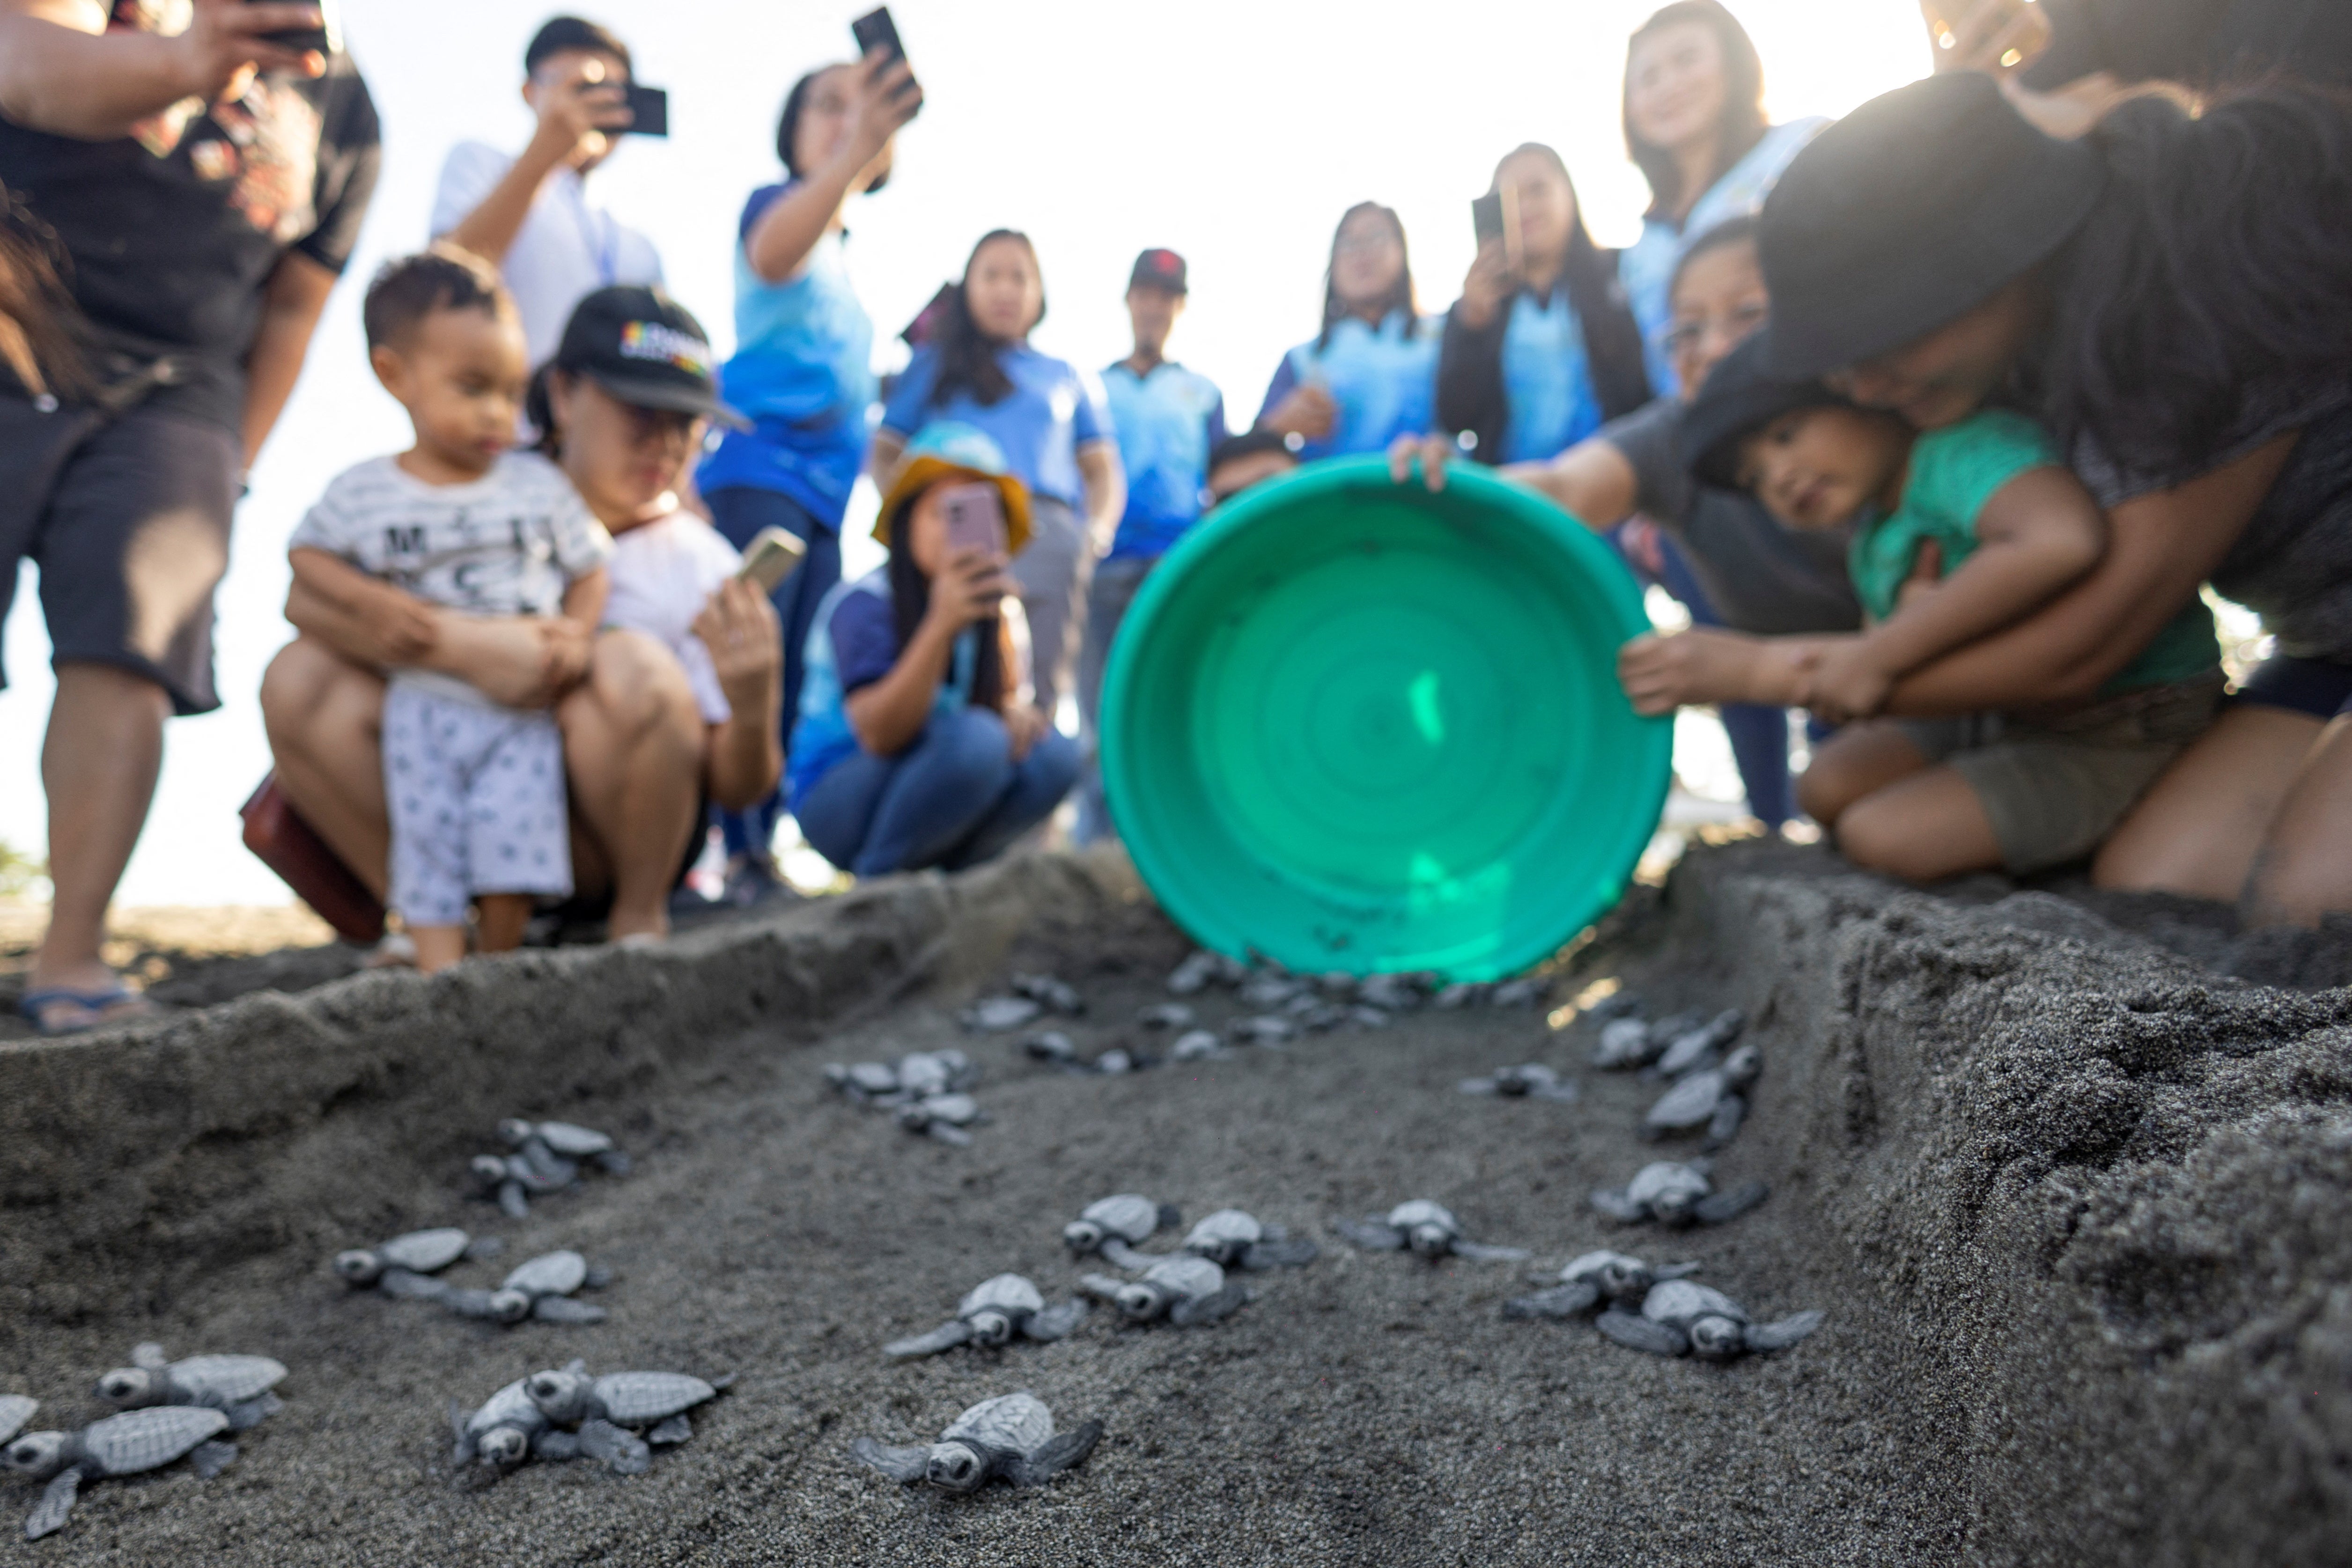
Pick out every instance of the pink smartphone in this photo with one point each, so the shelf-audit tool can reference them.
(975, 515)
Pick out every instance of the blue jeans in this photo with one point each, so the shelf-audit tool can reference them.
(953, 799)
(740, 512)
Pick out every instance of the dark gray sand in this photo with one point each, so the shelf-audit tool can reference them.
(2075, 1207)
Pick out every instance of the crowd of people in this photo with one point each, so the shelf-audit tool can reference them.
(1937, 419)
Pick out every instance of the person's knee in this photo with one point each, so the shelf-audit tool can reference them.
(1824, 792)
(636, 685)
(971, 748)
(1053, 763)
(308, 684)
(1878, 834)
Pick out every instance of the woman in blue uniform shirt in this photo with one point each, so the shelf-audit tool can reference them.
(1371, 375)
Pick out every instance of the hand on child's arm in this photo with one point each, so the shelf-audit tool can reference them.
(397, 628)
(1848, 682)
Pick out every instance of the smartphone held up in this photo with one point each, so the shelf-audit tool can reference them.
(772, 556)
(876, 31)
(975, 519)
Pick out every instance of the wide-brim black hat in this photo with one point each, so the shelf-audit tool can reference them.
(1911, 211)
(646, 350)
(1741, 396)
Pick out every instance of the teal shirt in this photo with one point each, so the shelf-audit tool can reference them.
(1955, 472)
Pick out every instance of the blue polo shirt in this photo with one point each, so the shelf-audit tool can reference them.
(852, 643)
(1053, 410)
(1167, 420)
(802, 373)
(1547, 379)
(1384, 381)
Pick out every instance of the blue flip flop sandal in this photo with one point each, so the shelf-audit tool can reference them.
(33, 1004)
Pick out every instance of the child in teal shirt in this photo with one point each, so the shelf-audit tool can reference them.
(1956, 533)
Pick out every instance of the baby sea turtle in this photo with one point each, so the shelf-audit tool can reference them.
(1053, 1046)
(1632, 1042)
(1265, 1029)
(568, 1139)
(1197, 973)
(1268, 992)
(1589, 1281)
(1046, 991)
(1679, 1318)
(1197, 1045)
(989, 1315)
(120, 1444)
(1393, 993)
(16, 1413)
(1232, 1238)
(403, 1265)
(1524, 992)
(1009, 1437)
(1185, 1289)
(1677, 1193)
(1165, 1015)
(541, 1287)
(1702, 1047)
(1460, 994)
(942, 1116)
(625, 1401)
(238, 1385)
(1713, 1098)
(1428, 1228)
(507, 1430)
(1531, 1081)
(1115, 1226)
(994, 1015)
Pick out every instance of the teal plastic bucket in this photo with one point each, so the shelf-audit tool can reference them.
(1350, 724)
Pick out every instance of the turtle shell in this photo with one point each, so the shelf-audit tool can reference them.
(425, 1251)
(1011, 1294)
(1589, 1265)
(640, 1398)
(1682, 1303)
(955, 1110)
(509, 1406)
(922, 1073)
(549, 1274)
(572, 1140)
(1186, 1276)
(16, 1410)
(229, 1379)
(1227, 1228)
(1421, 1211)
(1688, 1103)
(872, 1078)
(1662, 1178)
(1018, 1422)
(1128, 1216)
(144, 1439)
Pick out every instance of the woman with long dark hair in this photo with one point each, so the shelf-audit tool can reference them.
(1541, 350)
(975, 367)
(1695, 125)
(802, 370)
(1369, 374)
(2167, 295)
(917, 745)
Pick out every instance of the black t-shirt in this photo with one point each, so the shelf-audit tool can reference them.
(173, 230)
(2205, 42)
(1765, 580)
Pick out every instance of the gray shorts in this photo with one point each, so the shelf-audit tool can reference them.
(477, 801)
(2054, 785)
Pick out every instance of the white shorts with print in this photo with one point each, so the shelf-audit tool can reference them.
(477, 803)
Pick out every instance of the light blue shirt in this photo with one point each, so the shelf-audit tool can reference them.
(1547, 379)
(1647, 267)
(1053, 409)
(1384, 381)
(853, 642)
(1166, 422)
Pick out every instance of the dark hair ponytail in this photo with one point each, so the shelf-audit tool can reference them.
(967, 354)
(910, 601)
(1613, 339)
(1742, 126)
(2214, 263)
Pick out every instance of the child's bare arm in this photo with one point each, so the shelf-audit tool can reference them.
(584, 599)
(1707, 664)
(571, 637)
(2040, 532)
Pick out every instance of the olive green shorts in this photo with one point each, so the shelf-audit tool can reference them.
(2054, 784)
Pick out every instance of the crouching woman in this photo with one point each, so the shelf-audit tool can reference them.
(917, 744)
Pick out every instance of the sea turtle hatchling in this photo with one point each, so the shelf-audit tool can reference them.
(1714, 1098)
(989, 1315)
(1185, 1289)
(1529, 1081)
(569, 1139)
(1053, 1047)
(1048, 991)
(1198, 1045)
(1702, 1047)
(1165, 1015)
(1677, 1193)
(1262, 1028)
(1115, 1226)
(1679, 1317)
(505, 1431)
(608, 1409)
(122, 1444)
(238, 1385)
(541, 1287)
(1426, 1228)
(15, 1414)
(1628, 1043)
(995, 1014)
(946, 1117)
(404, 1265)
(1593, 1279)
(1009, 1437)
(1197, 973)
(1232, 1238)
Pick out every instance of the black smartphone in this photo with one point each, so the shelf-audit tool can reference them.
(1486, 216)
(324, 39)
(875, 30)
(651, 107)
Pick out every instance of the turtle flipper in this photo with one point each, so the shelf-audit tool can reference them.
(555, 1445)
(1280, 1252)
(252, 1413)
(1208, 1308)
(482, 1248)
(948, 1132)
(1055, 1323)
(1641, 1334)
(622, 1452)
(1667, 1271)
(512, 1200)
(211, 1458)
(1373, 1235)
(1058, 1453)
(412, 1287)
(457, 1414)
(675, 1430)
(905, 1466)
(1616, 1204)
(472, 1303)
(150, 1356)
(1119, 1255)
(946, 1336)
(1730, 1112)
(1563, 1092)
(1477, 1086)
(613, 1162)
(49, 1515)
(1561, 1302)
(1171, 1217)
(564, 1310)
(1789, 1331)
(1478, 1252)
(1718, 1206)
(1100, 1286)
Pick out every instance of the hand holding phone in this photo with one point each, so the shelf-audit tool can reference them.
(975, 519)
(772, 556)
(649, 111)
(876, 32)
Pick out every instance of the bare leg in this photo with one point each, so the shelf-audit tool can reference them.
(499, 919)
(2304, 870)
(1858, 760)
(325, 719)
(105, 746)
(634, 746)
(2197, 830)
(438, 946)
(1924, 828)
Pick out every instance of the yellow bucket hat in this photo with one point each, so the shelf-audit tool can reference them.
(948, 449)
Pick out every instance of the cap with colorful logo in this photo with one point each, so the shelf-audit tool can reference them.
(1158, 268)
(647, 349)
(949, 449)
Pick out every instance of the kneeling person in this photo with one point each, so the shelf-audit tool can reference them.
(476, 791)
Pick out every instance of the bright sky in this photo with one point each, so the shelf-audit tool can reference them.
(1234, 132)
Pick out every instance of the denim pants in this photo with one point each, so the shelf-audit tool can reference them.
(740, 512)
(953, 799)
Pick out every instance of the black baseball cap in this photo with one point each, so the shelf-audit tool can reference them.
(1910, 211)
(1158, 268)
(645, 348)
